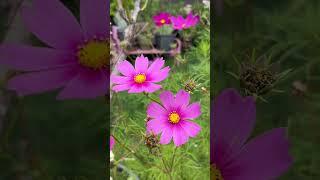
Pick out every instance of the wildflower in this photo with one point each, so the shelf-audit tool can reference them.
(161, 19)
(232, 156)
(140, 78)
(78, 56)
(180, 23)
(112, 142)
(173, 118)
(192, 20)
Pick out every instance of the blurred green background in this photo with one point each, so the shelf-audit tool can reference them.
(42, 138)
(288, 32)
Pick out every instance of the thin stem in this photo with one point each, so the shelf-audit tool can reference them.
(124, 146)
(152, 99)
(133, 153)
(172, 160)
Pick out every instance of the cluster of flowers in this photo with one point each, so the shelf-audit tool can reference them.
(77, 62)
(177, 22)
(172, 116)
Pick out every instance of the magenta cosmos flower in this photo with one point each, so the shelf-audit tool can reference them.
(112, 142)
(233, 157)
(77, 58)
(180, 23)
(173, 118)
(161, 19)
(142, 77)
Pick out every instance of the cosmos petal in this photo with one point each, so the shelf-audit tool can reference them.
(231, 124)
(156, 126)
(121, 87)
(94, 17)
(119, 79)
(151, 87)
(155, 110)
(160, 75)
(265, 157)
(179, 135)
(52, 23)
(28, 58)
(156, 65)
(136, 89)
(166, 135)
(167, 99)
(37, 82)
(191, 128)
(192, 111)
(141, 64)
(86, 85)
(126, 68)
(182, 98)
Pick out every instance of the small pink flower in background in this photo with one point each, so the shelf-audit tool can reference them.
(162, 18)
(192, 20)
(180, 23)
(173, 118)
(77, 58)
(142, 77)
(112, 142)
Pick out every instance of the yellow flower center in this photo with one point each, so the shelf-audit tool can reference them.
(163, 21)
(140, 78)
(215, 173)
(94, 54)
(174, 117)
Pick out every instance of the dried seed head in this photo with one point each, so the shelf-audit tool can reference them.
(190, 85)
(153, 143)
(255, 80)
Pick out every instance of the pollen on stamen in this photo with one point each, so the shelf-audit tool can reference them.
(174, 117)
(140, 78)
(93, 54)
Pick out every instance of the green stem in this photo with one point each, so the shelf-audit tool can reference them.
(124, 146)
(133, 152)
(152, 99)
(172, 161)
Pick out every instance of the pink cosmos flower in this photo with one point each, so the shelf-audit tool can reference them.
(173, 118)
(233, 156)
(192, 20)
(112, 142)
(77, 57)
(142, 77)
(161, 19)
(180, 23)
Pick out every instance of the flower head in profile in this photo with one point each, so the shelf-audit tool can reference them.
(180, 22)
(173, 118)
(161, 19)
(112, 142)
(232, 155)
(77, 57)
(141, 77)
